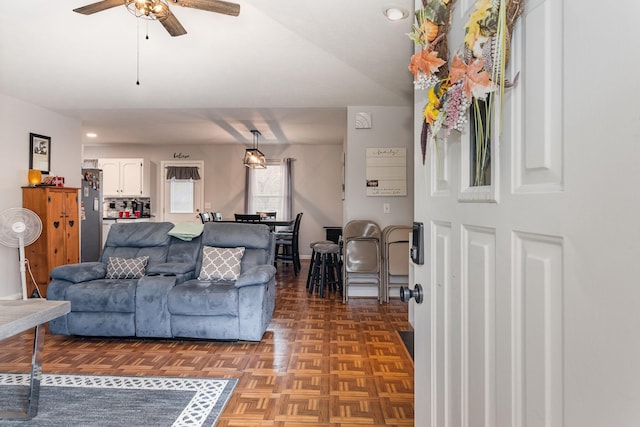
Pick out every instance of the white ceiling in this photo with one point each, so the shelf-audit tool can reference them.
(288, 68)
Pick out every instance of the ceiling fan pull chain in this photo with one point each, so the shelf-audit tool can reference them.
(138, 54)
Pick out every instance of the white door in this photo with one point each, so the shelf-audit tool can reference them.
(531, 300)
(181, 200)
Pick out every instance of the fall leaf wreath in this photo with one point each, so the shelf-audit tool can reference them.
(477, 68)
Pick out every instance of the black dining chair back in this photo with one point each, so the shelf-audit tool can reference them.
(247, 217)
(287, 249)
(206, 217)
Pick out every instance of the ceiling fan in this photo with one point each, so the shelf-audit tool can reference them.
(159, 10)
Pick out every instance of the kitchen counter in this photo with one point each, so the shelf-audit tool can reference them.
(127, 219)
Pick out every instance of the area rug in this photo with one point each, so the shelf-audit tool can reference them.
(104, 401)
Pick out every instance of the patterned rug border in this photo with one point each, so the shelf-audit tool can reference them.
(207, 391)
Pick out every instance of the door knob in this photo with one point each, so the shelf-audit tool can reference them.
(406, 294)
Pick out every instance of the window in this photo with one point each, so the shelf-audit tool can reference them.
(480, 162)
(268, 190)
(182, 196)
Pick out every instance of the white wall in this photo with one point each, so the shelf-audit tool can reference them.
(17, 120)
(391, 127)
(316, 178)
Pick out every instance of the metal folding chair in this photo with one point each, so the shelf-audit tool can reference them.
(395, 258)
(361, 253)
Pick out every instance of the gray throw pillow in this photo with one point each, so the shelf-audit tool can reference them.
(126, 268)
(221, 263)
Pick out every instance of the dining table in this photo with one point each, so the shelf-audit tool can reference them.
(272, 223)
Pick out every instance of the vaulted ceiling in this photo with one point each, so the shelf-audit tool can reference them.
(288, 68)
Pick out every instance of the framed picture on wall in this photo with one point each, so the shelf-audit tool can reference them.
(40, 152)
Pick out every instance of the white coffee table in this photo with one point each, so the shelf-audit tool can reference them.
(17, 316)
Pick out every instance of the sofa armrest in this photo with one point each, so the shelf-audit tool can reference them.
(257, 275)
(171, 268)
(82, 272)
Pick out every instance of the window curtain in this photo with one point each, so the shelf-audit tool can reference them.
(183, 172)
(287, 185)
(249, 189)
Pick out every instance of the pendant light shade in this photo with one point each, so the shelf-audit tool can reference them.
(253, 158)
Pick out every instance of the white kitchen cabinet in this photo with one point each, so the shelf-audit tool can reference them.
(122, 177)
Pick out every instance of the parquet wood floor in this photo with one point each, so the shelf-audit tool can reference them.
(320, 363)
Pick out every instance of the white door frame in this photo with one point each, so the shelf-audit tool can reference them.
(163, 182)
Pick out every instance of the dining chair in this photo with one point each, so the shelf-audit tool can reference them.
(206, 217)
(247, 217)
(267, 214)
(287, 251)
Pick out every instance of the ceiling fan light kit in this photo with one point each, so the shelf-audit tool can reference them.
(148, 9)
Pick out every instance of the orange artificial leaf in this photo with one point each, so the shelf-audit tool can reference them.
(478, 81)
(426, 62)
(458, 69)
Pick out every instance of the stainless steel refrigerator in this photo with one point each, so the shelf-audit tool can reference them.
(91, 215)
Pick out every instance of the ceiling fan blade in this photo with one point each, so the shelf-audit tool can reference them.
(217, 6)
(98, 7)
(173, 26)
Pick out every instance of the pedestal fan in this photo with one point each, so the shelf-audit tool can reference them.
(20, 227)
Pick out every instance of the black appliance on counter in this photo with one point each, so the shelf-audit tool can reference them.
(143, 207)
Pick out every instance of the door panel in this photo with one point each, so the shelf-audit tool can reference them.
(479, 311)
(131, 177)
(538, 313)
(72, 228)
(57, 238)
(110, 177)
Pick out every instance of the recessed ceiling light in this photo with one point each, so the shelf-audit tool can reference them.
(394, 13)
(91, 135)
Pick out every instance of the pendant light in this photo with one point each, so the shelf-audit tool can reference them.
(253, 158)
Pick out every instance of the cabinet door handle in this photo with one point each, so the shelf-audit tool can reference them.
(56, 224)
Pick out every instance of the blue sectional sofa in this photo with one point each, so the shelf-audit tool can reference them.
(219, 285)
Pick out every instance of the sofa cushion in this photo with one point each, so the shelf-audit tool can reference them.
(134, 240)
(204, 298)
(126, 268)
(255, 238)
(103, 295)
(220, 263)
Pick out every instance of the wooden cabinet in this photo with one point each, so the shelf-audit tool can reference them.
(122, 177)
(59, 242)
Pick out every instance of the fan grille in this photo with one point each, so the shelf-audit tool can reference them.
(16, 223)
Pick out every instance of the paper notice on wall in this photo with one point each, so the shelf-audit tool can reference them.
(386, 171)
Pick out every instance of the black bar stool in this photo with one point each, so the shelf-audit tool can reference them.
(327, 268)
(313, 259)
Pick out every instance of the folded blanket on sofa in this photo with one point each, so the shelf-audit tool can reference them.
(186, 230)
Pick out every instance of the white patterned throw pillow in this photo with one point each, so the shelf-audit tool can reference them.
(126, 268)
(220, 263)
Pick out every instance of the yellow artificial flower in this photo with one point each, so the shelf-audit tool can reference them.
(431, 110)
(483, 8)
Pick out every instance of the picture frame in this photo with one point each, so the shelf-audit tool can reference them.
(40, 153)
